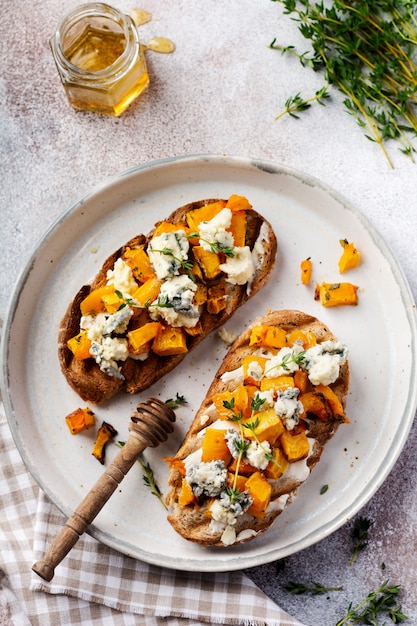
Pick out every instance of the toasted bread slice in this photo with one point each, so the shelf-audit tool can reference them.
(143, 368)
(280, 393)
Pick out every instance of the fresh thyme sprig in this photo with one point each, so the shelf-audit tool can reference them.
(287, 359)
(217, 246)
(176, 402)
(365, 50)
(382, 601)
(360, 536)
(186, 264)
(315, 588)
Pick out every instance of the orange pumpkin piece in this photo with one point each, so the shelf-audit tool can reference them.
(301, 380)
(277, 383)
(268, 336)
(237, 398)
(306, 271)
(277, 466)
(105, 433)
(250, 363)
(186, 495)
(295, 447)
(334, 402)
(204, 214)
(80, 419)
(209, 262)
(315, 402)
(80, 346)
(93, 303)
(139, 263)
(350, 257)
(238, 228)
(238, 203)
(140, 337)
(336, 294)
(307, 338)
(268, 428)
(260, 491)
(147, 292)
(214, 446)
(245, 468)
(170, 341)
(238, 480)
(112, 302)
(216, 299)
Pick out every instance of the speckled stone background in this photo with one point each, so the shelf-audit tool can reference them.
(218, 94)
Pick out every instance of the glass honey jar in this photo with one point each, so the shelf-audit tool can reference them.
(100, 59)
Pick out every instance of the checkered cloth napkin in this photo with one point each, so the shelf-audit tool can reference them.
(95, 584)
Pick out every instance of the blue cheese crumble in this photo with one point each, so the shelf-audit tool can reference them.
(167, 253)
(207, 478)
(323, 362)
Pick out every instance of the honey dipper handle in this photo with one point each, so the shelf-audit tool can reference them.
(141, 435)
(90, 507)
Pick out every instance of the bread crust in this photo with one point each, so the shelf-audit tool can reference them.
(191, 521)
(95, 386)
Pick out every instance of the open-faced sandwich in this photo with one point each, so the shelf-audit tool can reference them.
(275, 401)
(160, 294)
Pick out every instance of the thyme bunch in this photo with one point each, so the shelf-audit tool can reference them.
(381, 601)
(366, 50)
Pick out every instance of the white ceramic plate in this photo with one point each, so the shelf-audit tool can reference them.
(309, 220)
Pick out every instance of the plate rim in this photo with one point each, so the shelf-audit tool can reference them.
(269, 167)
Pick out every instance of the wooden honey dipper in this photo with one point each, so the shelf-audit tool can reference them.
(150, 425)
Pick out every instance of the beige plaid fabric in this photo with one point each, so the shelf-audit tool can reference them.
(95, 584)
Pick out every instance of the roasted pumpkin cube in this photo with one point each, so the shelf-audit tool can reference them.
(80, 346)
(200, 295)
(112, 302)
(237, 480)
(301, 380)
(214, 446)
(105, 433)
(260, 491)
(204, 214)
(186, 495)
(253, 369)
(147, 292)
(238, 203)
(238, 228)
(139, 263)
(169, 227)
(80, 419)
(140, 337)
(277, 383)
(245, 468)
(209, 262)
(306, 271)
(170, 341)
(216, 299)
(350, 258)
(277, 466)
(269, 426)
(334, 402)
(275, 338)
(237, 400)
(268, 336)
(336, 294)
(93, 303)
(316, 403)
(295, 447)
(307, 338)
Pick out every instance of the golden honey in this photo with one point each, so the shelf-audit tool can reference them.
(100, 59)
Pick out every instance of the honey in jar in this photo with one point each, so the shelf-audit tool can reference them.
(100, 59)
